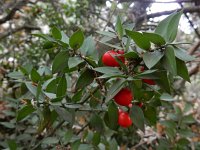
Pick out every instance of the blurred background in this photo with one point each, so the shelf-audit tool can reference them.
(20, 19)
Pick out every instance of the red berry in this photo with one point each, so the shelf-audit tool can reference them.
(120, 52)
(140, 104)
(149, 81)
(120, 111)
(109, 60)
(142, 69)
(124, 120)
(130, 105)
(124, 97)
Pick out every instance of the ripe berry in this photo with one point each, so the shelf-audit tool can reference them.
(124, 120)
(130, 105)
(142, 69)
(120, 111)
(108, 58)
(140, 104)
(124, 97)
(149, 81)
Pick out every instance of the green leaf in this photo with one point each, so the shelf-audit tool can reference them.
(85, 79)
(107, 33)
(137, 117)
(62, 87)
(74, 61)
(12, 144)
(182, 70)
(163, 81)
(151, 115)
(8, 125)
(109, 70)
(96, 138)
(60, 62)
(182, 54)
(65, 38)
(171, 133)
(56, 33)
(188, 119)
(35, 76)
(170, 60)
(146, 73)
(51, 85)
(31, 88)
(133, 55)
(168, 124)
(16, 75)
(66, 115)
(114, 89)
(96, 122)
(139, 39)
(168, 27)
(76, 40)
(50, 140)
(89, 48)
(75, 145)
(155, 38)
(166, 97)
(152, 58)
(25, 111)
(119, 28)
(183, 142)
(113, 115)
(185, 133)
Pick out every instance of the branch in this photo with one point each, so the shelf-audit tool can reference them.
(16, 7)
(153, 15)
(194, 48)
(26, 27)
(148, 1)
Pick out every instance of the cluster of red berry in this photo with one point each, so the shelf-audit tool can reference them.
(124, 97)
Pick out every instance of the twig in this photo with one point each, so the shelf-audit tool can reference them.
(153, 15)
(26, 27)
(16, 7)
(190, 22)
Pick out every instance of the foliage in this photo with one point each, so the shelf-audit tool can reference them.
(70, 102)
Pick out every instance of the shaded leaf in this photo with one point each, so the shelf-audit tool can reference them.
(119, 27)
(139, 39)
(170, 60)
(85, 79)
(152, 58)
(62, 87)
(24, 112)
(182, 70)
(60, 61)
(56, 33)
(89, 48)
(74, 61)
(168, 27)
(76, 40)
(137, 117)
(166, 97)
(155, 38)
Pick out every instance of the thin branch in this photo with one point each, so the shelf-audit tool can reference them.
(26, 27)
(11, 14)
(148, 1)
(153, 15)
(194, 48)
(190, 22)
